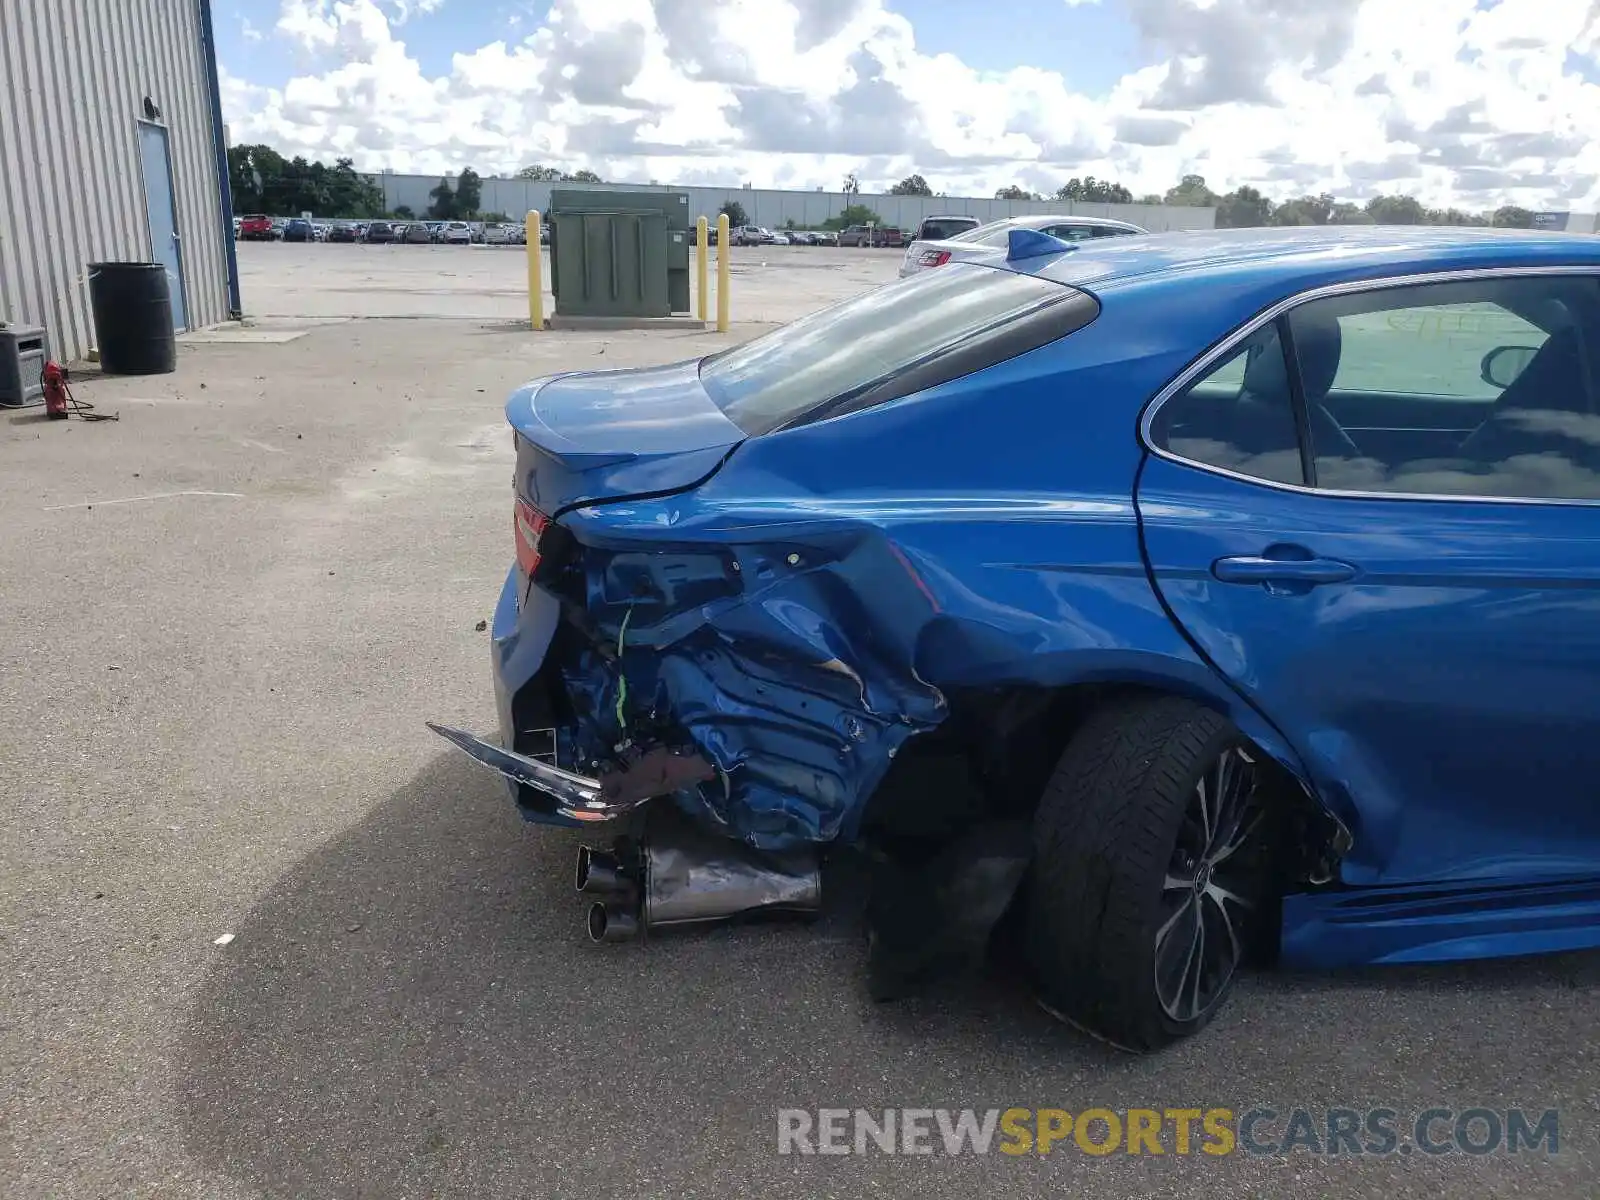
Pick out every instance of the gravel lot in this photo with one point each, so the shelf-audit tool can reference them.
(225, 618)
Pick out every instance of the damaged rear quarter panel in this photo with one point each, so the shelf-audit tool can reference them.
(876, 571)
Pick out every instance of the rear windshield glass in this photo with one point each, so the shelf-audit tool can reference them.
(994, 233)
(936, 230)
(829, 355)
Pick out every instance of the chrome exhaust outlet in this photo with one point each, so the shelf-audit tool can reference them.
(604, 873)
(612, 923)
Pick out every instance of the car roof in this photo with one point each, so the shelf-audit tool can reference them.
(1305, 256)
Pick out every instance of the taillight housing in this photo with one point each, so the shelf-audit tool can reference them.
(530, 525)
(935, 258)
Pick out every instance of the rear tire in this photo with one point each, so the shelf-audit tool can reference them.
(1151, 867)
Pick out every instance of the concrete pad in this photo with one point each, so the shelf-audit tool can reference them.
(262, 934)
(237, 336)
(769, 284)
(602, 324)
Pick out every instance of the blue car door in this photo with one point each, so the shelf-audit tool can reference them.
(1378, 516)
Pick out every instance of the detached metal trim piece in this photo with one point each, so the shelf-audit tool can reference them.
(576, 796)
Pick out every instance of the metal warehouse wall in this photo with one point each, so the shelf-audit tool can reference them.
(73, 78)
(774, 209)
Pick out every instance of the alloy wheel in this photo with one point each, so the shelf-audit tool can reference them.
(1210, 888)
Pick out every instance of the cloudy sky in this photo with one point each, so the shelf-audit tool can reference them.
(1466, 102)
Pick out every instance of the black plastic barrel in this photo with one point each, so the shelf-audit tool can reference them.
(132, 305)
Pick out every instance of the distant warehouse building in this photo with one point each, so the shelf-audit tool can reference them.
(111, 150)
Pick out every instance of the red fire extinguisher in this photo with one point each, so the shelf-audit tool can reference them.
(54, 380)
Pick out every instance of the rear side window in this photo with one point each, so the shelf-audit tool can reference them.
(902, 337)
(1238, 416)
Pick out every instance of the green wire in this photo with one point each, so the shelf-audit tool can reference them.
(622, 680)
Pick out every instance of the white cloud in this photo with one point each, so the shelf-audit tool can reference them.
(1459, 104)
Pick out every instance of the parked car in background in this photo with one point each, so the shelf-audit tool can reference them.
(496, 234)
(378, 231)
(990, 241)
(416, 234)
(862, 235)
(1264, 627)
(939, 229)
(278, 224)
(779, 237)
(343, 231)
(749, 235)
(434, 228)
(298, 229)
(477, 228)
(456, 233)
(255, 228)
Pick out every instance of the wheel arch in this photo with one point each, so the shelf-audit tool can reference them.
(1011, 736)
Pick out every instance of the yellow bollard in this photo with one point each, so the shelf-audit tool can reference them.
(702, 264)
(535, 274)
(722, 273)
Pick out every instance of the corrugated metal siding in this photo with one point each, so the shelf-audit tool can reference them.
(73, 78)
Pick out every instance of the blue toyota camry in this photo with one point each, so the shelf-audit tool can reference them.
(1254, 575)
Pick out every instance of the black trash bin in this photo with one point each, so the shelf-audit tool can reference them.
(132, 305)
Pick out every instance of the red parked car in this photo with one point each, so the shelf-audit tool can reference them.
(255, 228)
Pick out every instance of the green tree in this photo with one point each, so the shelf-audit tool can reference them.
(469, 193)
(1094, 191)
(1243, 208)
(1149, 198)
(1191, 192)
(1395, 210)
(1013, 192)
(262, 181)
(1345, 213)
(497, 218)
(1453, 216)
(403, 212)
(582, 177)
(443, 207)
(852, 185)
(1305, 210)
(911, 185)
(1512, 217)
(735, 213)
(538, 174)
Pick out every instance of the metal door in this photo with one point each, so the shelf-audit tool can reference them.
(166, 247)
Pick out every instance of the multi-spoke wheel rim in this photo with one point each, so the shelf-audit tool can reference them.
(1208, 892)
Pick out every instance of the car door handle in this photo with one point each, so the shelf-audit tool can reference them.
(1247, 568)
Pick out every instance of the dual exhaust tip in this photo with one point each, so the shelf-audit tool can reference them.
(603, 874)
(684, 876)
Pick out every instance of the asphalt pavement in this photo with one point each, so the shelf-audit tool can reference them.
(265, 935)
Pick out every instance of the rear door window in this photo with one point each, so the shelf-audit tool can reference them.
(904, 336)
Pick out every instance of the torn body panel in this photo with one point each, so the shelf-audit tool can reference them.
(796, 636)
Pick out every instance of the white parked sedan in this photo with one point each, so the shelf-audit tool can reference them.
(990, 241)
(456, 233)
